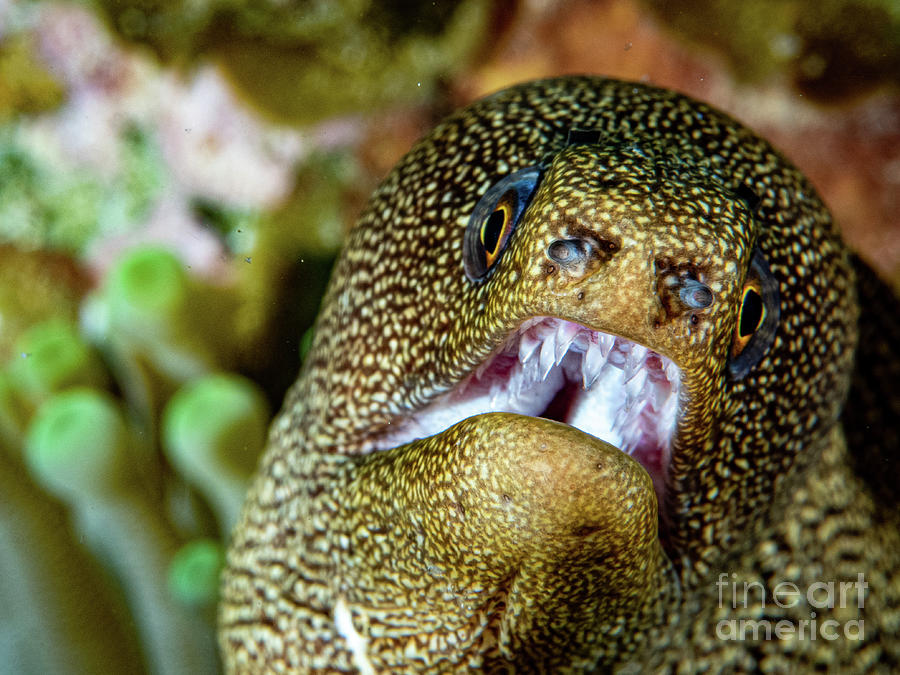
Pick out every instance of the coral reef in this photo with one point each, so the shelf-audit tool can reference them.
(831, 49)
(25, 84)
(304, 61)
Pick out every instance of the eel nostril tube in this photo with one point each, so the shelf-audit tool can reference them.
(695, 294)
(563, 251)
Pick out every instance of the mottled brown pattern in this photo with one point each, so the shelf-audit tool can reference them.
(510, 541)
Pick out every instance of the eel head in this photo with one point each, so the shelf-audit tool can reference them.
(569, 274)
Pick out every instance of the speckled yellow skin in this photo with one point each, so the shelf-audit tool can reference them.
(517, 542)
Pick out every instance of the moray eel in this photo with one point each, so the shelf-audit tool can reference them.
(576, 385)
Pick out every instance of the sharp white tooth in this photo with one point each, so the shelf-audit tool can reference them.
(616, 358)
(592, 363)
(519, 385)
(496, 391)
(546, 328)
(630, 369)
(550, 331)
(634, 361)
(606, 343)
(635, 386)
(672, 373)
(565, 333)
(582, 340)
(643, 406)
(527, 346)
(656, 393)
(547, 356)
(664, 425)
(664, 430)
(634, 420)
(532, 373)
(523, 379)
(528, 323)
(620, 419)
(632, 366)
(629, 437)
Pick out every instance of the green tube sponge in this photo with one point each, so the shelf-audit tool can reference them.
(78, 448)
(194, 573)
(148, 285)
(147, 311)
(213, 431)
(51, 356)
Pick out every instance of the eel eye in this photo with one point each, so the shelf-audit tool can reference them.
(758, 318)
(496, 228)
(753, 313)
(494, 219)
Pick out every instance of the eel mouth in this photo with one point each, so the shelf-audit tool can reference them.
(602, 384)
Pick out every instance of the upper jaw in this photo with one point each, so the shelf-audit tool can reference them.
(602, 384)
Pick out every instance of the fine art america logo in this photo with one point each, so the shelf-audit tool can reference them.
(818, 596)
